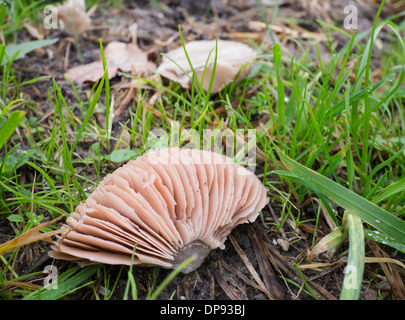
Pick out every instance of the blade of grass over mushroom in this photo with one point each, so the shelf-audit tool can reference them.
(193, 79)
(356, 204)
(201, 91)
(131, 280)
(354, 270)
(170, 277)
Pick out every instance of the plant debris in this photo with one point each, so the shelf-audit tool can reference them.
(120, 56)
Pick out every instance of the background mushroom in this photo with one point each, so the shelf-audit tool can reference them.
(232, 57)
(171, 204)
(73, 16)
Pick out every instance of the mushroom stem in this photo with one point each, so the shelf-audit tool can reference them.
(198, 249)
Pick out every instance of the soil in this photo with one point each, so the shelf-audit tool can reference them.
(223, 275)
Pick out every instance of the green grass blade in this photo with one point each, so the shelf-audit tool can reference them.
(280, 107)
(65, 284)
(311, 292)
(8, 126)
(355, 265)
(396, 187)
(379, 237)
(23, 48)
(44, 174)
(170, 277)
(356, 204)
(131, 284)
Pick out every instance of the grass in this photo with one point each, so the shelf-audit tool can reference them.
(334, 131)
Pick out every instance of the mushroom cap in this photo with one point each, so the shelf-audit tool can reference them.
(74, 17)
(160, 209)
(232, 57)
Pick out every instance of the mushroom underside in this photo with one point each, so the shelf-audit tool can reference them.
(162, 209)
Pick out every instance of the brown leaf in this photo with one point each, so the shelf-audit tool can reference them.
(122, 56)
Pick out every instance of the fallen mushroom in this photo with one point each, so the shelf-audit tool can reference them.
(232, 61)
(161, 209)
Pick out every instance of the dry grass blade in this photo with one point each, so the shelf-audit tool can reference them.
(320, 289)
(250, 267)
(318, 265)
(390, 271)
(266, 269)
(290, 271)
(227, 289)
(383, 260)
(20, 284)
(243, 277)
(29, 236)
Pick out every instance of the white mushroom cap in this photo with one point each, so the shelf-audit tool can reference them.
(232, 58)
(171, 203)
(73, 16)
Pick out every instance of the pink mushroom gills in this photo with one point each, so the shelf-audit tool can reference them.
(170, 203)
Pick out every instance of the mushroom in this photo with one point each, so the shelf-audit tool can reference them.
(161, 209)
(73, 16)
(232, 61)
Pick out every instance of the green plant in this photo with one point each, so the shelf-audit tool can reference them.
(363, 117)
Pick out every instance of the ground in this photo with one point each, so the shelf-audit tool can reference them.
(272, 252)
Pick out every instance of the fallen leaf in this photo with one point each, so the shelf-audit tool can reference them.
(122, 56)
(232, 61)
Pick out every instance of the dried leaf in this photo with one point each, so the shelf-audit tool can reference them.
(330, 241)
(122, 56)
